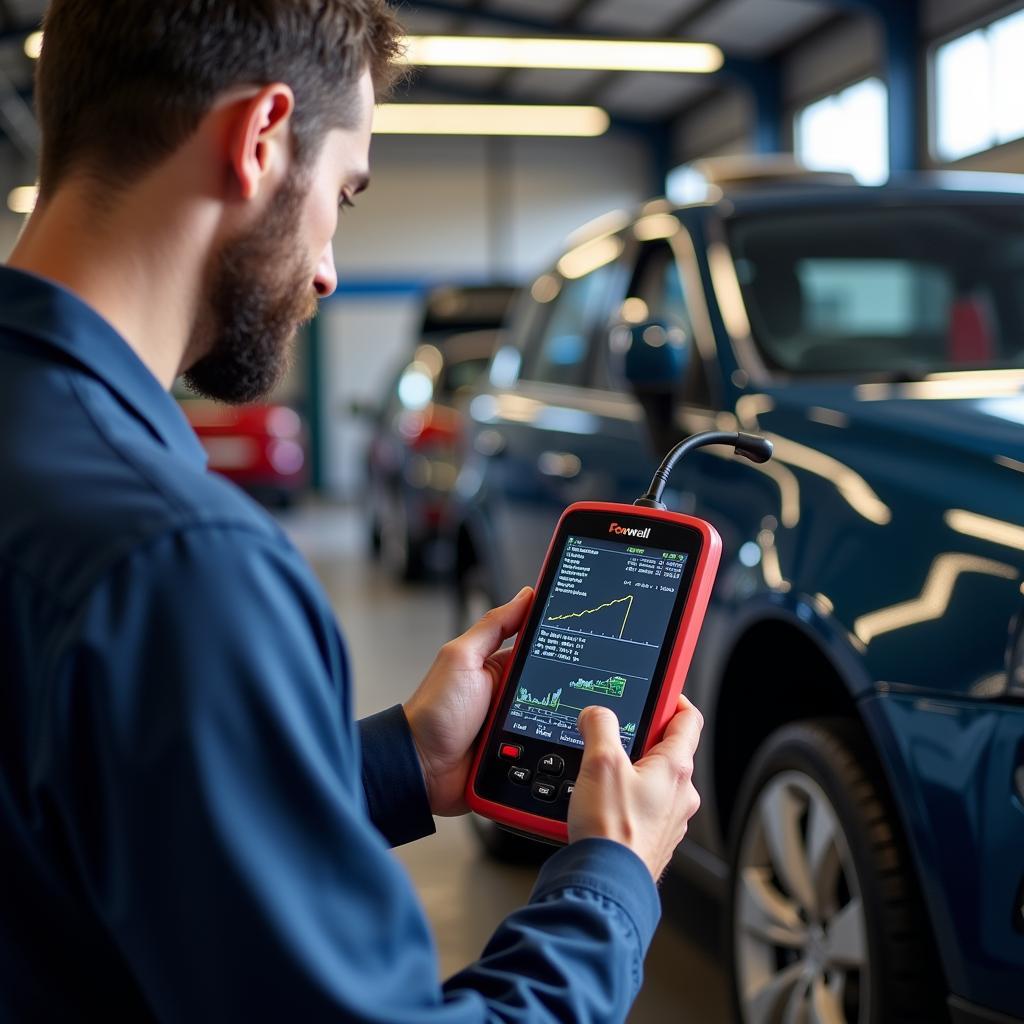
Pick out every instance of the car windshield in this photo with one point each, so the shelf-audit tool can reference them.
(891, 291)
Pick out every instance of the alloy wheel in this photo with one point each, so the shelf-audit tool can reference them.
(799, 928)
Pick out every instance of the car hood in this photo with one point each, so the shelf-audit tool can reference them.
(973, 414)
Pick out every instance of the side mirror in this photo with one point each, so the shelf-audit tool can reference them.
(652, 356)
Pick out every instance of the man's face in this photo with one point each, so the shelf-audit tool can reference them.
(266, 283)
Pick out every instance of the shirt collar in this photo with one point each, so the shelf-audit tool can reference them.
(40, 309)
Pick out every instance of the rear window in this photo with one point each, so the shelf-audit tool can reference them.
(893, 290)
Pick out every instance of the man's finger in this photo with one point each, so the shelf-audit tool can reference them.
(600, 730)
(486, 636)
(681, 737)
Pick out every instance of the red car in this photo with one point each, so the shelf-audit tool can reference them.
(262, 448)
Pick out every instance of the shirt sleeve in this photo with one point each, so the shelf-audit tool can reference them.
(396, 794)
(209, 782)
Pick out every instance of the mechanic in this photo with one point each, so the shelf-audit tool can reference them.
(192, 826)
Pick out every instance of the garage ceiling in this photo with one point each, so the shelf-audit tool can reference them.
(750, 29)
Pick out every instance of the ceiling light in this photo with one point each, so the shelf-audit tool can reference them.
(23, 199)
(572, 54)
(489, 119)
(34, 45)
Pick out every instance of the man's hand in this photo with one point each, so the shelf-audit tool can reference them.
(449, 708)
(645, 806)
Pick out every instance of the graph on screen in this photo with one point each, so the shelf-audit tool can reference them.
(597, 640)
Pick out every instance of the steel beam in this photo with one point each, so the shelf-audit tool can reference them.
(763, 80)
(900, 21)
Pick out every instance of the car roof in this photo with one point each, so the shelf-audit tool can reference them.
(752, 196)
(937, 187)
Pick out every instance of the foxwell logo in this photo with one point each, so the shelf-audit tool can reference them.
(629, 531)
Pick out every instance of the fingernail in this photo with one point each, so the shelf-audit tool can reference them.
(525, 590)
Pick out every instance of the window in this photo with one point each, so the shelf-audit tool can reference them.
(561, 351)
(885, 290)
(848, 131)
(978, 84)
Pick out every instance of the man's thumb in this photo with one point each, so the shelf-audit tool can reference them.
(600, 729)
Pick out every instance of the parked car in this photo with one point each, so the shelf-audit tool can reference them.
(262, 448)
(861, 669)
(416, 449)
(459, 309)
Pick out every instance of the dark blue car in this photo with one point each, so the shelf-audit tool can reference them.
(861, 670)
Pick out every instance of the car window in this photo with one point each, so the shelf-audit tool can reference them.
(658, 285)
(902, 291)
(559, 354)
(657, 293)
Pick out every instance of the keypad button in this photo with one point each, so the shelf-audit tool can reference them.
(520, 776)
(510, 752)
(567, 788)
(551, 764)
(547, 791)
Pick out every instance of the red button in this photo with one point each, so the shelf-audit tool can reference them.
(510, 752)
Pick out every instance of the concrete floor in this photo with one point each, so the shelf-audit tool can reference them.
(465, 893)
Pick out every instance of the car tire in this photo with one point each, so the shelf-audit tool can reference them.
(824, 921)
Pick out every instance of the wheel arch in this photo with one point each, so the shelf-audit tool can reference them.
(757, 695)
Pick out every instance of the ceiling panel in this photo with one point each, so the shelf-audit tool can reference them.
(27, 11)
(557, 86)
(546, 10)
(425, 23)
(635, 17)
(753, 28)
(469, 80)
(653, 97)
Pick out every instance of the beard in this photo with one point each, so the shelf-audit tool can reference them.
(260, 294)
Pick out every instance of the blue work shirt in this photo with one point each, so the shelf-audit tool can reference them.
(192, 826)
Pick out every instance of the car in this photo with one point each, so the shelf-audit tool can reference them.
(462, 308)
(417, 446)
(861, 666)
(262, 448)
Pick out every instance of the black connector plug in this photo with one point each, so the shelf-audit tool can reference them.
(750, 446)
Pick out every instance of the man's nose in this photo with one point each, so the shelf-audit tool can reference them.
(326, 281)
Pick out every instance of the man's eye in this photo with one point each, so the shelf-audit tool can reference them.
(344, 203)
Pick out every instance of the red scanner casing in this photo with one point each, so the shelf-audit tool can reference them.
(705, 572)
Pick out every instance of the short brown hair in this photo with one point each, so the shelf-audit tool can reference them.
(122, 83)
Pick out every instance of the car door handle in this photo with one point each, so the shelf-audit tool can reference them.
(564, 465)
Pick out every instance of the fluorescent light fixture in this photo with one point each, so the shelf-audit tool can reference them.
(23, 199)
(571, 54)
(34, 45)
(489, 119)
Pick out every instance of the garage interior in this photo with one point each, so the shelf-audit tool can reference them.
(874, 90)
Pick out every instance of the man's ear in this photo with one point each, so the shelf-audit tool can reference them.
(259, 137)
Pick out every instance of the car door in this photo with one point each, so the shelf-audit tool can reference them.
(637, 429)
(548, 421)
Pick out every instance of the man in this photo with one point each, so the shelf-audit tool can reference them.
(192, 826)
